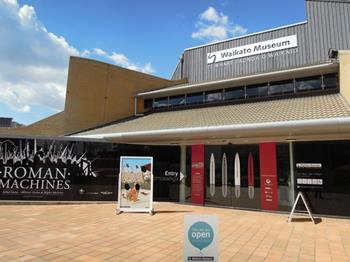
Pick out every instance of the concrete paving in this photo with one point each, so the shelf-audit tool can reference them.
(92, 232)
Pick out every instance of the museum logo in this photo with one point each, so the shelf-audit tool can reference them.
(253, 49)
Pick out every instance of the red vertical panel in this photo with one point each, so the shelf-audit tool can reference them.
(268, 176)
(197, 174)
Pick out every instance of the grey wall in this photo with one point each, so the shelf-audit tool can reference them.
(327, 26)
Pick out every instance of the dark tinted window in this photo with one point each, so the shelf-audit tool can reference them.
(281, 87)
(257, 91)
(308, 83)
(330, 81)
(148, 103)
(160, 102)
(213, 96)
(195, 98)
(234, 93)
(177, 100)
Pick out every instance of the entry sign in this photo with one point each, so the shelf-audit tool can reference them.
(201, 238)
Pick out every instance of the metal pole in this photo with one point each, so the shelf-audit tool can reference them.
(291, 167)
(182, 183)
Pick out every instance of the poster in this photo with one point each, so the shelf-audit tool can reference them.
(201, 238)
(268, 176)
(135, 184)
(197, 174)
(47, 169)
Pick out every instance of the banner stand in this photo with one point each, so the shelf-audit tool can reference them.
(135, 185)
(118, 212)
(302, 197)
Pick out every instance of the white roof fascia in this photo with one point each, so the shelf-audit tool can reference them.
(225, 81)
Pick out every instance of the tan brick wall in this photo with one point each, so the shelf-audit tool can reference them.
(97, 93)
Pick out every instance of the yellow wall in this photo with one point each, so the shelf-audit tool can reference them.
(97, 93)
(344, 73)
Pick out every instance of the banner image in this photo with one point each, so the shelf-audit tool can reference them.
(268, 176)
(32, 169)
(135, 184)
(197, 175)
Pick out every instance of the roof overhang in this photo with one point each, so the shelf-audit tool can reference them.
(316, 129)
(328, 67)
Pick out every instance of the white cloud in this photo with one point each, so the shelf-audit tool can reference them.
(214, 26)
(119, 59)
(124, 61)
(99, 51)
(238, 30)
(34, 61)
(85, 53)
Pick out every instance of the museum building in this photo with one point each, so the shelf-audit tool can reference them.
(245, 122)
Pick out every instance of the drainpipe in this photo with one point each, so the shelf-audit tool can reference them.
(291, 166)
(182, 66)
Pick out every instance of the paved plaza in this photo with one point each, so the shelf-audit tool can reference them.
(92, 232)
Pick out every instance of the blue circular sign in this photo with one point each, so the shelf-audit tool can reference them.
(200, 235)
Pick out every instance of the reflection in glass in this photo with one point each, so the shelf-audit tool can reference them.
(257, 91)
(330, 81)
(161, 102)
(177, 100)
(281, 87)
(195, 98)
(308, 83)
(213, 96)
(234, 93)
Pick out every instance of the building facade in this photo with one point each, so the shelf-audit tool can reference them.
(255, 119)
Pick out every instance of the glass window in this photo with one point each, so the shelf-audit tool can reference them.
(161, 102)
(195, 98)
(308, 83)
(330, 81)
(147, 103)
(213, 96)
(234, 93)
(281, 87)
(177, 100)
(257, 91)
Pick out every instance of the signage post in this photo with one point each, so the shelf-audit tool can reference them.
(309, 177)
(201, 238)
(302, 197)
(135, 186)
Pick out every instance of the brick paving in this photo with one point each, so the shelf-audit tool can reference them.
(92, 232)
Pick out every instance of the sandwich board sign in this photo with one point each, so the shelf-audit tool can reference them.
(135, 185)
(201, 238)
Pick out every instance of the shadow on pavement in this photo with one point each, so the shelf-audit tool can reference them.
(171, 211)
(306, 219)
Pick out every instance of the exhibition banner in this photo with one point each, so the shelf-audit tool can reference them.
(197, 174)
(135, 184)
(268, 176)
(201, 238)
(36, 169)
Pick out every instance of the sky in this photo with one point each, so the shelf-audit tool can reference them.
(38, 36)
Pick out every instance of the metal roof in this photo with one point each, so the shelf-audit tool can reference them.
(233, 119)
